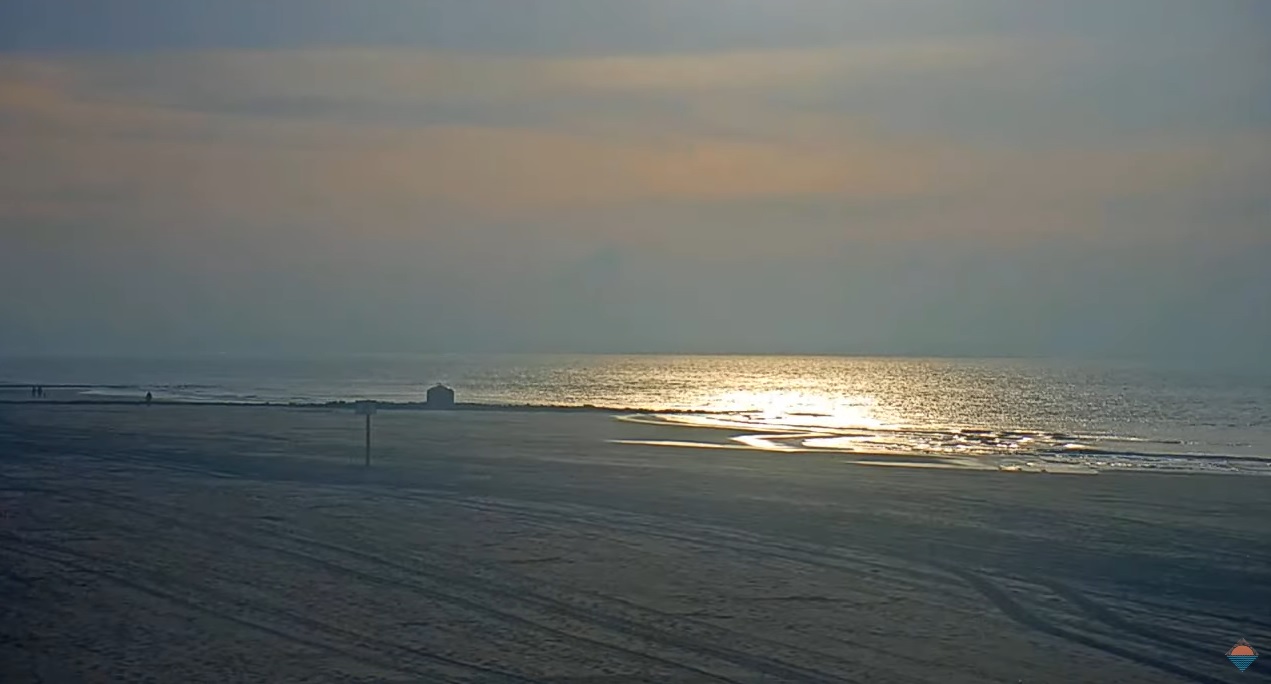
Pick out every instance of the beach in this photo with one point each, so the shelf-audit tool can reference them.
(187, 543)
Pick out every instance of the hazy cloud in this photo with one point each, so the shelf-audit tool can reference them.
(845, 177)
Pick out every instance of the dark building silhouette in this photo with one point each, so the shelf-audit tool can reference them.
(440, 396)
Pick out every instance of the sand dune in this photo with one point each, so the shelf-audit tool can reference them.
(214, 544)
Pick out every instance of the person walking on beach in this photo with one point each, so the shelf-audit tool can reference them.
(32, 391)
(149, 397)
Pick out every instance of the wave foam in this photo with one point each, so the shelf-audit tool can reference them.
(1012, 449)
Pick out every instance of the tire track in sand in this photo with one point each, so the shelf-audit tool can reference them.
(622, 627)
(388, 663)
(1026, 618)
(979, 583)
(1105, 615)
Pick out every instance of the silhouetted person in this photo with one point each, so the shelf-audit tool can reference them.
(149, 397)
(32, 391)
(40, 391)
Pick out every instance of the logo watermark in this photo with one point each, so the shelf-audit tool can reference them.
(1242, 655)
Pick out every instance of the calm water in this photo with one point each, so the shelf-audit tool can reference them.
(965, 413)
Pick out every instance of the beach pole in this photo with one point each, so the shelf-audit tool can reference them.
(367, 408)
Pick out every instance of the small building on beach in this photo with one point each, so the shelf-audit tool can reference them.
(440, 396)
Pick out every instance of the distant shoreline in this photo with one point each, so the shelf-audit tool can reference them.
(346, 404)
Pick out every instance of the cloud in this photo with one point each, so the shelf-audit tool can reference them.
(370, 83)
(668, 173)
(374, 138)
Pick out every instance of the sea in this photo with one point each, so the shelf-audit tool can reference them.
(1002, 414)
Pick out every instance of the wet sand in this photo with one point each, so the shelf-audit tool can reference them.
(213, 544)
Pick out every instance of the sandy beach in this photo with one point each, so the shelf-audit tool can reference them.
(221, 544)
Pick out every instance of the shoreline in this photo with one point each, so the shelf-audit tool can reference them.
(763, 440)
(346, 404)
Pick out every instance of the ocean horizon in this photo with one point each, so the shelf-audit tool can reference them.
(1006, 412)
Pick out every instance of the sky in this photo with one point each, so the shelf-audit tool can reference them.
(970, 178)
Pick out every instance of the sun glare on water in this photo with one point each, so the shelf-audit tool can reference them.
(802, 409)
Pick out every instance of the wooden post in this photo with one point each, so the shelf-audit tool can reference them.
(366, 408)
